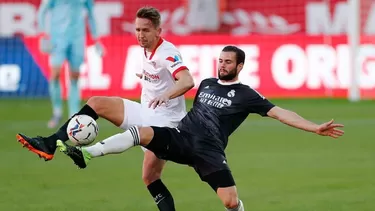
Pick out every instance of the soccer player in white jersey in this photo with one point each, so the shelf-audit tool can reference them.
(165, 79)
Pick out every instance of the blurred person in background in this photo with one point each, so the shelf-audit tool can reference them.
(64, 40)
(205, 15)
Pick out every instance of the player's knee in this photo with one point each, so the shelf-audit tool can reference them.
(229, 197)
(149, 177)
(74, 75)
(231, 202)
(55, 73)
(99, 104)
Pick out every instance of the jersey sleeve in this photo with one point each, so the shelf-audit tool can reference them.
(257, 103)
(172, 60)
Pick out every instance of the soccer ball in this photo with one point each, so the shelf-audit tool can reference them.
(82, 130)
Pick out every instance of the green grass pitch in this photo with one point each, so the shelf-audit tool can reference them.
(277, 168)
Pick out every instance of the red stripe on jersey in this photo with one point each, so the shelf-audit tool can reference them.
(178, 70)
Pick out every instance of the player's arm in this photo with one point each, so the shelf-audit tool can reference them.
(91, 19)
(93, 29)
(184, 82)
(293, 119)
(45, 5)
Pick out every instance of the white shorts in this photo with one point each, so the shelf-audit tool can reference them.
(136, 116)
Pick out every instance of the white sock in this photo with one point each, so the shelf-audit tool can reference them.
(115, 144)
(240, 207)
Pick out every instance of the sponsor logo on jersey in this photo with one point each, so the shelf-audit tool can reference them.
(150, 77)
(214, 100)
(176, 60)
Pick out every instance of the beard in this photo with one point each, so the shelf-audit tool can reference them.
(230, 76)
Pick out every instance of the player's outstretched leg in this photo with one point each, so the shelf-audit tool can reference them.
(113, 145)
(109, 108)
(45, 147)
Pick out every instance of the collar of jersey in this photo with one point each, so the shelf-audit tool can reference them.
(228, 83)
(153, 51)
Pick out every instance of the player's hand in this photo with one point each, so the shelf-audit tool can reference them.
(100, 50)
(330, 129)
(45, 45)
(158, 101)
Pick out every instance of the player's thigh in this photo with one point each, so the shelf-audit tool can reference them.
(221, 181)
(158, 121)
(117, 110)
(132, 114)
(76, 54)
(209, 162)
(170, 144)
(58, 53)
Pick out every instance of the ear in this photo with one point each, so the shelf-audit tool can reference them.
(159, 30)
(239, 67)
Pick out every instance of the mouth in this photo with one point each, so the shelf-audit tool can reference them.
(223, 71)
(142, 41)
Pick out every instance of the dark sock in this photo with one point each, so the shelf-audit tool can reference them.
(162, 196)
(61, 134)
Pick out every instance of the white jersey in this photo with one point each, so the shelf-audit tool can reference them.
(159, 69)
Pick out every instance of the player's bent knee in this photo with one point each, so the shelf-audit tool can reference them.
(95, 103)
(104, 105)
(230, 199)
(231, 203)
(150, 176)
(228, 196)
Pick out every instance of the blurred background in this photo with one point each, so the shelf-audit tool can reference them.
(316, 57)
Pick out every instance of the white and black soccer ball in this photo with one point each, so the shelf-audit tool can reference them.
(82, 130)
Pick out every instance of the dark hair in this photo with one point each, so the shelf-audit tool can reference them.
(151, 14)
(240, 54)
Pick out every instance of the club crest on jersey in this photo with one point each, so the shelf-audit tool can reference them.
(231, 93)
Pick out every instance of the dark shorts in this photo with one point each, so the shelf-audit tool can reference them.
(184, 148)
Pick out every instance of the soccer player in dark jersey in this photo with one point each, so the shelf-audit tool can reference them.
(201, 137)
